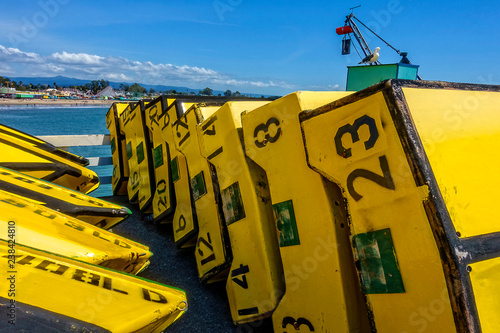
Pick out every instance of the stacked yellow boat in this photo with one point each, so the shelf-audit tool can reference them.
(328, 211)
(64, 270)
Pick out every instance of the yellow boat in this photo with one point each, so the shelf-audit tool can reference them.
(32, 156)
(362, 184)
(83, 207)
(416, 162)
(185, 222)
(120, 175)
(46, 229)
(213, 252)
(321, 291)
(255, 284)
(45, 292)
(157, 120)
(141, 183)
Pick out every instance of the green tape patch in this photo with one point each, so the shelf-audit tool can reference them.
(158, 156)
(286, 224)
(140, 152)
(378, 264)
(198, 187)
(113, 145)
(232, 204)
(174, 167)
(129, 150)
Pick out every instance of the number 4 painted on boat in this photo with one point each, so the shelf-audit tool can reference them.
(242, 270)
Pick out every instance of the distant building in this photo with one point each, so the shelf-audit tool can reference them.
(6, 92)
(51, 91)
(107, 92)
(74, 92)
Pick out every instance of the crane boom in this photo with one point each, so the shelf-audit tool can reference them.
(351, 27)
(357, 34)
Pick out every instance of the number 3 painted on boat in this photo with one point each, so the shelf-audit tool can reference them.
(353, 131)
(385, 179)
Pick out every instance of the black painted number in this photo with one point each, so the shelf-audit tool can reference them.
(353, 131)
(135, 181)
(153, 112)
(209, 128)
(178, 130)
(208, 244)
(182, 223)
(155, 117)
(297, 323)
(162, 199)
(265, 128)
(384, 180)
(235, 273)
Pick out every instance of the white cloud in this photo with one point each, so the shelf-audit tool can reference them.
(259, 84)
(328, 87)
(14, 55)
(118, 77)
(77, 58)
(55, 69)
(88, 66)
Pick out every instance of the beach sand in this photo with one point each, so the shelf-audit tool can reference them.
(71, 102)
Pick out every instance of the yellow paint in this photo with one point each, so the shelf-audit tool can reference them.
(256, 274)
(114, 301)
(118, 154)
(460, 131)
(104, 214)
(129, 143)
(21, 151)
(139, 186)
(184, 224)
(210, 252)
(49, 230)
(485, 278)
(157, 121)
(374, 207)
(121, 117)
(321, 284)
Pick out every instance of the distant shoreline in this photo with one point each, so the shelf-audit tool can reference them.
(58, 102)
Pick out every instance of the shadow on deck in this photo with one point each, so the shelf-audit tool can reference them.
(208, 308)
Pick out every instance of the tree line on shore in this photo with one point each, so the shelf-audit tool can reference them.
(97, 85)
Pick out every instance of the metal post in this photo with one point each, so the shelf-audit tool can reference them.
(359, 36)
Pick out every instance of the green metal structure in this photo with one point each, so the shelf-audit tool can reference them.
(361, 77)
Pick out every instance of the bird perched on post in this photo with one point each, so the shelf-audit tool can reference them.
(371, 57)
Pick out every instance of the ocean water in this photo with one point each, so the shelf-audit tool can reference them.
(53, 120)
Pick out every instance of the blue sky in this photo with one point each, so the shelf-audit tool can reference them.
(268, 47)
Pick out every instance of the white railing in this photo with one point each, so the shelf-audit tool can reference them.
(64, 142)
